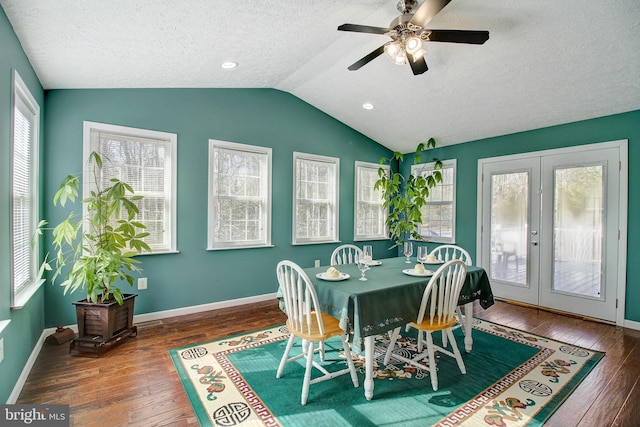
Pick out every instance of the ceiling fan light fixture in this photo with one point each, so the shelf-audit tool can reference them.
(413, 44)
(395, 51)
(419, 54)
(400, 58)
(392, 49)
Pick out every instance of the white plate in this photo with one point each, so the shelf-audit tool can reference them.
(375, 263)
(412, 272)
(435, 262)
(341, 276)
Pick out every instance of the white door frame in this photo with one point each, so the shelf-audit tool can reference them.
(623, 183)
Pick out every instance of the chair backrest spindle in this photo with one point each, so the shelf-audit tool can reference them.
(345, 254)
(447, 253)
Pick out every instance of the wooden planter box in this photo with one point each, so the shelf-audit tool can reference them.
(101, 326)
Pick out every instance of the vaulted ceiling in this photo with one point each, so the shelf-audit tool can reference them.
(546, 62)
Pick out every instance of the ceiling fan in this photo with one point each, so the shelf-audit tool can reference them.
(408, 33)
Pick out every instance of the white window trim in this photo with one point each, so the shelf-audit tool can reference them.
(336, 198)
(267, 215)
(20, 90)
(429, 167)
(364, 237)
(172, 138)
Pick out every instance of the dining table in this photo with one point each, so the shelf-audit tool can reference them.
(389, 298)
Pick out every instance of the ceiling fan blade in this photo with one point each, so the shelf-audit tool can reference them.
(364, 61)
(427, 11)
(458, 36)
(418, 66)
(363, 29)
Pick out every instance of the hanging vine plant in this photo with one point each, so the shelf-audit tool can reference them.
(405, 197)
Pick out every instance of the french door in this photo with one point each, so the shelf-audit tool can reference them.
(550, 228)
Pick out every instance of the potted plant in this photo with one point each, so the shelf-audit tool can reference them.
(95, 252)
(404, 197)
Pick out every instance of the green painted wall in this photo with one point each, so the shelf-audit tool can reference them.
(603, 129)
(26, 324)
(263, 117)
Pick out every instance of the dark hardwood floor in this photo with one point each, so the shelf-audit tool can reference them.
(135, 384)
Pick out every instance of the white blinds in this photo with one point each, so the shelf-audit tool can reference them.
(23, 190)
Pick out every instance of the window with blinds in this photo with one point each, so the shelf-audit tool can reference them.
(24, 194)
(239, 195)
(439, 213)
(315, 204)
(146, 160)
(370, 214)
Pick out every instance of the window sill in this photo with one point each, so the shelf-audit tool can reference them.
(366, 238)
(226, 248)
(3, 325)
(23, 298)
(169, 251)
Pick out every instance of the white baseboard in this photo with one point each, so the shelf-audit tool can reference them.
(17, 389)
(147, 317)
(632, 325)
(22, 379)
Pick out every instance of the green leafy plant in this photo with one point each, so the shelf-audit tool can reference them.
(100, 255)
(404, 197)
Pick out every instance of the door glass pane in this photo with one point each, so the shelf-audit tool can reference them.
(509, 216)
(578, 224)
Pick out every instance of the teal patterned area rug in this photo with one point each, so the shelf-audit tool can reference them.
(513, 379)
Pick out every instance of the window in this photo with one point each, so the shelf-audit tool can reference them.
(145, 159)
(239, 195)
(315, 204)
(24, 194)
(370, 214)
(439, 213)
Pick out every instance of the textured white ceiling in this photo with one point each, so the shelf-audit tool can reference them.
(547, 62)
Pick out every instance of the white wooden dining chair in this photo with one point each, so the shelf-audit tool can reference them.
(446, 253)
(345, 254)
(437, 313)
(312, 326)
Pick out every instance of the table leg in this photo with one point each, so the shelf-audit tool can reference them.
(468, 326)
(369, 343)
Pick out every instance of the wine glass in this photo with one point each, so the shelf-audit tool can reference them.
(367, 251)
(422, 254)
(408, 251)
(363, 265)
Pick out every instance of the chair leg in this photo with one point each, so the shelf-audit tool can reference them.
(393, 337)
(285, 356)
(460, 318)
(456, 352)
(307, 374)
(350, 364)
(421, 340)
(432, 362)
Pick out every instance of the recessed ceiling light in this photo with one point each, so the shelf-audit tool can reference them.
(367, 106)
(229, 65)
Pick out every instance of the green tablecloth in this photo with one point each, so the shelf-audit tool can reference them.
(389, 298)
